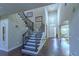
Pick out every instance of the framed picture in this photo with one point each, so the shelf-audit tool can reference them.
(38, 19)
(29, 14)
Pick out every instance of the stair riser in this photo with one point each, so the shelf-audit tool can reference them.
(32, 36)
(29, 54)
(33, 42)
(30, 49)
(31, 45)
(34, 39)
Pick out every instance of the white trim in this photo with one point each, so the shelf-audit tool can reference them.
(43, 42)
(14, 47)
(7, 50)
(28, 51)
(31, 47)
(41, 46)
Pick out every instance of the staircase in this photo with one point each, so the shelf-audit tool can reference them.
(31, 40)
(31, 44)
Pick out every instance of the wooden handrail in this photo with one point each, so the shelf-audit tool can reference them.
(31, 23)
(36, 43)
(28, 22)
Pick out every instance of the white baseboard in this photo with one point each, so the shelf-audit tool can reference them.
(14, 47)
(40, 47)
(7, 50)
(42, 42)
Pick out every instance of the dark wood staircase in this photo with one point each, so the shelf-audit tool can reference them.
(31, 44)
(31, 40)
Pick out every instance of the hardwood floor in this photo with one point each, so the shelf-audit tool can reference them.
(55, 47)
(15, 52)
(52, 47)
(3, 53)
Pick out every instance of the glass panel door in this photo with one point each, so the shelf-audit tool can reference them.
(65, 38)
(65, 32)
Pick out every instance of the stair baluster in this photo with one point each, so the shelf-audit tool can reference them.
(34, 47)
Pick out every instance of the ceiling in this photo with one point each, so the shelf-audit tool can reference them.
(52, 7)
(10, 8)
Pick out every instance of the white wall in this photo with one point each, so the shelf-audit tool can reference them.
(67, 13)
(46, 20)
(36, 12)
(4, 43)
(74, 34)
(14, 34)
